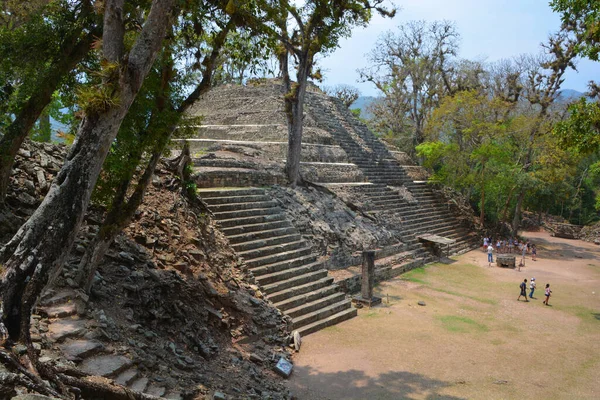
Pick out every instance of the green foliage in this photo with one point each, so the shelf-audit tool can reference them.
(583, 18)
(581, 130)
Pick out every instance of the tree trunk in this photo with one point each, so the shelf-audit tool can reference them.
(35, 255)
(295, 114)
(517, 217)
(482, 213)
(507, 204)
(28, 114)
(45, 128)
(122, 211)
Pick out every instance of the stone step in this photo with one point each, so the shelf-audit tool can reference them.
(58, 298)
(278, 257)
(266, 242)
(262, 252)
(139, 385)
(155, 390)
(61, 329)
(322, 313)
(315, 305)
(126, 377)
(250, 205)
(108, 365)
(238, 214)
(288, 273)
(211, 201)
(295, 281)
(282, 229)
(307, 297)
(59, 310)
(284, 265)
(233, 192)
(77, 349)
(239, 226)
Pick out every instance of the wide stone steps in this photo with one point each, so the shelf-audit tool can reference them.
(345, 314)
(281, 244)
(309, 297)
(316, 305)
(243, 249)
(277, 257)
(220, 208)
(284, 228)
(288, 273)
(319, 314)
(282, 295)
(295, 281)
(283, 264)
(253, 212)
(239, 199)
(240, 226)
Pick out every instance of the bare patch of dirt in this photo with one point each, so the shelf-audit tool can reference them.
(472, 339)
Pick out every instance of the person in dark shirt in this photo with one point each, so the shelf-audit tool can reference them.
(523, 287)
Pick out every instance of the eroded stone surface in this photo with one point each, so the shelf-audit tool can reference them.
(106, 365)
(61, 329)
(80, 348)
(62, 310)
(139, 385)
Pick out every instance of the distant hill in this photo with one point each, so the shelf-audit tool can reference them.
(570, 95)
(362, 103)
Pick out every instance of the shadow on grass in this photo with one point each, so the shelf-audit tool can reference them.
(596, 315)
(308, 383)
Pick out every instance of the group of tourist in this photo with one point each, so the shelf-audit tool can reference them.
(532, 287)
(507, 246)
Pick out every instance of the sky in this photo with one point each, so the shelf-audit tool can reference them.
(490, 30)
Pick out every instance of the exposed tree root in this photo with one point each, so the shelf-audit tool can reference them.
(67, 383)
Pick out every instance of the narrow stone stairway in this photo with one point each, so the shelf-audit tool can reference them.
(282, 262)
(427, 215)
(364, 150)
(69, 332)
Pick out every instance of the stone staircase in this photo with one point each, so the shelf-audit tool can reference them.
(284, 264)
(363, 148)
(70, 333)
(427, 214)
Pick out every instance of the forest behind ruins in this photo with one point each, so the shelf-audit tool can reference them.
(113, 81)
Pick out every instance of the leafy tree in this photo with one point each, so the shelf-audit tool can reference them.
(346, 93)
(412, 68)
(60, 34)
(37, 251)
(143, 138)
(317, 27)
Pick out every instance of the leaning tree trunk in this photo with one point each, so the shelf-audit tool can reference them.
(122, 210)
(25, 118)
(35, 255)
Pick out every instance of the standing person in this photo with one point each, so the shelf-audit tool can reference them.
(524, 251)
(523, 287)
(490, 251)
(533, 252)
(532, 286)
(485, 243)
(498, 246)
(547, 293)
(510, 245)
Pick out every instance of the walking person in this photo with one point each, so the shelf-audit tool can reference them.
(490, 251)
(532, 286)
(523, 287)
(547, 293)
(533, 252)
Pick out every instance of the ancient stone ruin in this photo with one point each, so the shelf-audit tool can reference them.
(304, 245)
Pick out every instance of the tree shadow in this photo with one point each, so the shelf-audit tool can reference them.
(308, 383)
(596, 315)
(564, 251)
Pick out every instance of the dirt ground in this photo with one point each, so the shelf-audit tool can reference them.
(473, 339)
